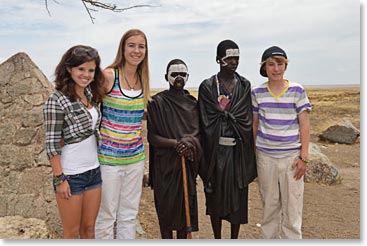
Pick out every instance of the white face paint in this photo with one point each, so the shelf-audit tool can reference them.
(230, 53)
(177, 68)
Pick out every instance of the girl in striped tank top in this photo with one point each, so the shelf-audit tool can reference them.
(122, 151)
(121, 126)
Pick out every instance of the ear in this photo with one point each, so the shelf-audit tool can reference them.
(166, 77)
(217, 59)
(68, 69)
(264, 70)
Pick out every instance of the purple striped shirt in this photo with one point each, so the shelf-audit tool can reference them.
(278, 129)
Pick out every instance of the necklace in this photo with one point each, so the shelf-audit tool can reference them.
(85, 105)
(227, 92)
(128, 84)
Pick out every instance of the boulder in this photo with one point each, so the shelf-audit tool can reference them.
(25, 173)
(344, 132)
(320, 169)
(17, 227)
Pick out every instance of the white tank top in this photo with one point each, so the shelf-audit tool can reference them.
(80, 157)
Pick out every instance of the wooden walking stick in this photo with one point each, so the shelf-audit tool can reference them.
(186, 198)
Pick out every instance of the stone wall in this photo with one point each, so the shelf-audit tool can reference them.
(25, 173)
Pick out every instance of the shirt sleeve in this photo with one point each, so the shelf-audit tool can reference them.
(302, 102)
(255, 106)
(53, 119)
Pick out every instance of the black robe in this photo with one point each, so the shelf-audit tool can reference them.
(227, 170)
(173, 116)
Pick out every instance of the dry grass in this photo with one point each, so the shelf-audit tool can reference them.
(329, 105)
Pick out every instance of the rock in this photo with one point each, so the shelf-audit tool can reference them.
(320, 169)
(140, 233)
(25, 172)
(17, 227)
(146, 179)
(344, 132)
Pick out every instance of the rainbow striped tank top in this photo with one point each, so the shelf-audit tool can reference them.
(121, 127)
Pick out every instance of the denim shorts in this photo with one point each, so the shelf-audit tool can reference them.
(88, 180)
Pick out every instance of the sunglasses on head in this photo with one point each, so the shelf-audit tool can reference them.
(81, 51)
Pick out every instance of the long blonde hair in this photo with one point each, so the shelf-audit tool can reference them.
(143, 67)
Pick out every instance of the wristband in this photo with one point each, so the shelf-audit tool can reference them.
(58, 180)
(304, 160)
(59, 176)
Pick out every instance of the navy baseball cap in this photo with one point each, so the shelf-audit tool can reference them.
(272, 51)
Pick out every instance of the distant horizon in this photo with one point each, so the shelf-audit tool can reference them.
(333, 85)
(319, 85)
(306, 86)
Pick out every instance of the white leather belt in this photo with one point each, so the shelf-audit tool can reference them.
(227, 141)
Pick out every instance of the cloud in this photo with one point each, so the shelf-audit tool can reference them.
(318, 35)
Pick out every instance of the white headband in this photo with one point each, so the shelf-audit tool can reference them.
(177, 68)
(230, 53)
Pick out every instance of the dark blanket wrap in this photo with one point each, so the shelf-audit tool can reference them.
(173, 116)
(234, 165)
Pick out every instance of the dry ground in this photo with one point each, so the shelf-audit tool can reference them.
(330, 212)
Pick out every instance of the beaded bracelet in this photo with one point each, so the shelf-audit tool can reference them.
(304, 160)
(59, 179)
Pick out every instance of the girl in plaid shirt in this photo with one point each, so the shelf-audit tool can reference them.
(72, 120)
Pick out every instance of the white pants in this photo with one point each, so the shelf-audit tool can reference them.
(282, 196)
(121, 192)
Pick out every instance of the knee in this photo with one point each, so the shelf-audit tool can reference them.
(87, 232)
(71, 233)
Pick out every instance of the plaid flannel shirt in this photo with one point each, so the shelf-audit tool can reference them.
(67, 120)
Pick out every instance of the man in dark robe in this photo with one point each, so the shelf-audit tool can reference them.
(173, 131)
(226, 127)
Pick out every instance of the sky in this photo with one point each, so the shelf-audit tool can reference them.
(321, 38)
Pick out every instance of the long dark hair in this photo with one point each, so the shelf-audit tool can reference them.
(74, 57)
